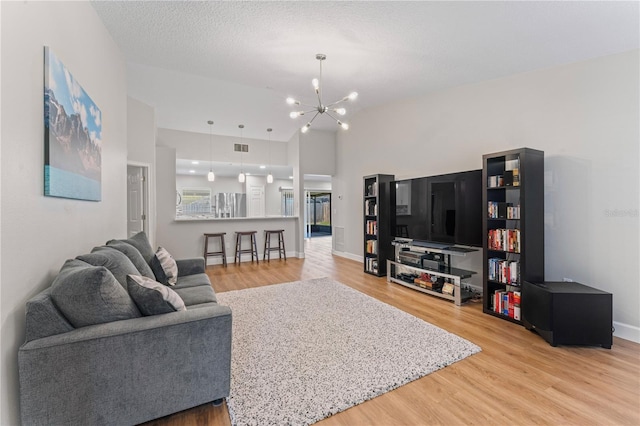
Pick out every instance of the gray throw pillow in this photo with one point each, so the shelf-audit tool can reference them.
(141, 242)
(88, 295)
(115, 261)
(134, 256)
(164, 267)
(152, 297)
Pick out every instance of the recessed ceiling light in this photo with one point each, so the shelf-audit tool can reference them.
(290, 177)
(192, 171)
(263, 166)
(195, 162)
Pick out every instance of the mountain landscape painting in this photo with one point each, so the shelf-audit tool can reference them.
(72, 135)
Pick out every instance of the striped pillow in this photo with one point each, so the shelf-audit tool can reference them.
(153, 298)
(164, 267)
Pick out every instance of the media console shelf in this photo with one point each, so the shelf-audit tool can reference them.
(413, 261)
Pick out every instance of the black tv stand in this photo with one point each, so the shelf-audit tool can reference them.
(433, 259)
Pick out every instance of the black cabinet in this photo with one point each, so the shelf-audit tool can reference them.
(568, 313)
(379, 198)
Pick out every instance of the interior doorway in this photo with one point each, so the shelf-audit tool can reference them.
(318, 213)
(137, 199)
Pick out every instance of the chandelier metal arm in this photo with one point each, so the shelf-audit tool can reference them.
(339, 101)
(307, 105)
(314, 117)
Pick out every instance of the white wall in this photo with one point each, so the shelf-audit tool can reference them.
(585, 116)
(141, 150)
(39, 233)
(318, 152)
(195, 146)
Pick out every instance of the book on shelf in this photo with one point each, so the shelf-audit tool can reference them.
(507, 303)
(371, 207)
(372, 227)
(504, 240)
(495, 181)
(372, 246)
(504, 271)
(372, 265)
(497, 210)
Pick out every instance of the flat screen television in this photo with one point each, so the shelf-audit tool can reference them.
(443, 209)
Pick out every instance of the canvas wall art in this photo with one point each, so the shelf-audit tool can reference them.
(72, 135)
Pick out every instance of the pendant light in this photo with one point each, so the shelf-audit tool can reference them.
(210, 176)
(241, 176)
(269, 176)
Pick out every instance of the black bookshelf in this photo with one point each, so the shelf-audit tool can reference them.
(513, 227)
(378, 200)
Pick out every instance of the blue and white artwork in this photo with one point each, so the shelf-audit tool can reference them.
(72, 135)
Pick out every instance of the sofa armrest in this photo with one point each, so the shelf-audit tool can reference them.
(127, 372)
(190, 266)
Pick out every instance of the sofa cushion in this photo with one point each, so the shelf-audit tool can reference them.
(134, 256)
(164, 267)
(88, 295)
(43, 318)
(115, 261)
(192, 281)
(152, 297)
(196, 295)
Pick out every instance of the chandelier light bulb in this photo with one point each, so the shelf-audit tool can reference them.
(291, 101)
(316, 84)
(241, 177)
(210, 176)
(340, 111)
(345, 126)
(352, 96)
(269, 178)
(305, 128)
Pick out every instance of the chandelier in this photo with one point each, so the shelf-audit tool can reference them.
(321, 108)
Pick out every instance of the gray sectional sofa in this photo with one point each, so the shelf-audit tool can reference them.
(92, 358)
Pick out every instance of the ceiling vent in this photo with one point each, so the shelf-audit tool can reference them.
(238, 147)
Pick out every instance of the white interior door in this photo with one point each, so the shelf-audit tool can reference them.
(256, 201)
(135, 200)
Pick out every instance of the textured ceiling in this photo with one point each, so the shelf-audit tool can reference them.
(236, 62)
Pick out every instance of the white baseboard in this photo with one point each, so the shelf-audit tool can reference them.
(348, 255)
(626, 331)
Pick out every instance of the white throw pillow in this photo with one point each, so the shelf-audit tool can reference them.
(152, 297)
(164, 267)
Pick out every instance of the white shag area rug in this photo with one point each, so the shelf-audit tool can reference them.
(305, 350)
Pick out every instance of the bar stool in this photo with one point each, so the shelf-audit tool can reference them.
(253, 249)
(267, 244)
(222, 252)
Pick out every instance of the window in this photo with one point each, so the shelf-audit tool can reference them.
(286, 198)
(194, 201)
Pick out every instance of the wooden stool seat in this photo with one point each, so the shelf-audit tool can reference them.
(267, 244)
(253, 247)
(222, 252)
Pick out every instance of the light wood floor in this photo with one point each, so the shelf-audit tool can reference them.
(517, 378)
